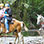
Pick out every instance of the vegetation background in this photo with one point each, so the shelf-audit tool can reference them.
(25, 10)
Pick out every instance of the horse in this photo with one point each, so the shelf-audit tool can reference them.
(40, 21)
(16, 27)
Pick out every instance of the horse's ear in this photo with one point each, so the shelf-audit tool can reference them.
(40, 14)
(37, 14)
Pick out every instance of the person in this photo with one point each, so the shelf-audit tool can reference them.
(7, 17)
(1, 11)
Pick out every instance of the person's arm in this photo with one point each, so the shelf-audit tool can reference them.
(6, 14)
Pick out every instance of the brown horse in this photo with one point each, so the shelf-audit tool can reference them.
(16, 28)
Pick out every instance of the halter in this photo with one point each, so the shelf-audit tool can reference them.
(42, 23)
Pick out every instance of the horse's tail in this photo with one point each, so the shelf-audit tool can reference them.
(26, 29)
(24, 26)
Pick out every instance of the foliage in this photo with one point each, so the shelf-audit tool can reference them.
(26, 10)
(30, 33)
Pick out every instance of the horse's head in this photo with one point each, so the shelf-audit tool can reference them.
(39, 19)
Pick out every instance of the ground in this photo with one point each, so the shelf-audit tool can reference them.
(27, 40)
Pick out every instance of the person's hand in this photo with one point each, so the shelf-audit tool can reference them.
(7, 15)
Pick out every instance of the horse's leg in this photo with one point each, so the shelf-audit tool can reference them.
(4, 29)
(16, 36)
(21, 38)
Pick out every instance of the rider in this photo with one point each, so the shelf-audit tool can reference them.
(8, 17)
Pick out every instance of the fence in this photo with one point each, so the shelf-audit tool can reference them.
(40, 32)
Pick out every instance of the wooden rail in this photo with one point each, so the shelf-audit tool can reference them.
(7, 36)
(22, 31)
(34, 30)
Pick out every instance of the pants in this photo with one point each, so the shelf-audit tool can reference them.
(6, 24)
